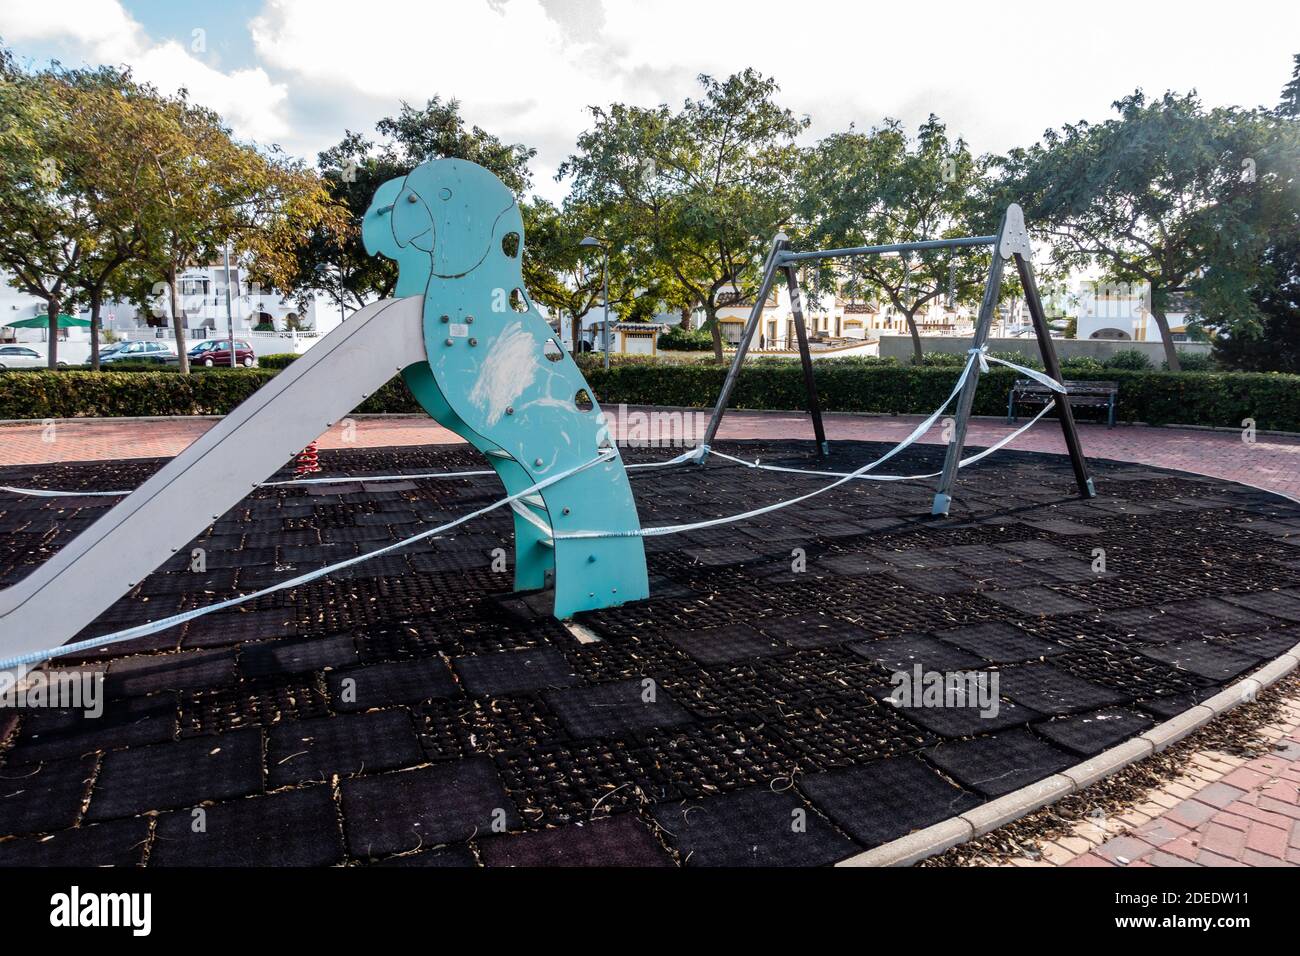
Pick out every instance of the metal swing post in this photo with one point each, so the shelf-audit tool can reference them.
(1064, 413)
(805, 357)
(965, 401)
(779, 243)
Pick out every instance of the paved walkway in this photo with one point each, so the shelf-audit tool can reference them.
(1272, 463)
(1224, 811)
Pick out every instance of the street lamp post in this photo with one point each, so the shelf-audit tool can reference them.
(230, 312)
(604, 284)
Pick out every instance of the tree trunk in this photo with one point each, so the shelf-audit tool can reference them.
(52, 306)
(178, 322)
(715, 329)
(96, 301)
(685, 324)
(918, 356)
(1171, 353)
(576, 326)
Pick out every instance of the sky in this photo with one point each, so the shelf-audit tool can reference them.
(298, 73)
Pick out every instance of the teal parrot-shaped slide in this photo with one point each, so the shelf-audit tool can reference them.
(497, 376)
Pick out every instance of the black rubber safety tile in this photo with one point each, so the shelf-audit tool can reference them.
(1264, 645)
(999, 643)
(1171, 706)
(850, 564)
(429, 806)
(251, 704)
(396, 682)
(966, 720)
(1152, 625)
(998, 764)
(1058, 526)
(720, 557)
(1051, 690)
(621, 840)
(1034, 550)
(179, 773)
(912, 562)
(968, 555)
(721, 645)
(940, 581)
(297, 656)
(291, 828)
(38, 798)
(123, 722)
(609, 710)
(1205, 658)
(1037, 601)
(1215, 616)
(447, 857)
(886, 799)
(116, 843)
(756, 827)
(1089, 734)
(806, 631)
(905, 651)
(515, 672)
(226, 628)
(1279, 604)
(186, 670)
(842, 731)
(569, 781)
(301, 751)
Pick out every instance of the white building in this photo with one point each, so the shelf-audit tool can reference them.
(201, 291)
(1123, 311)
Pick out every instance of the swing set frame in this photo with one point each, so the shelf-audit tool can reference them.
(1010, 243)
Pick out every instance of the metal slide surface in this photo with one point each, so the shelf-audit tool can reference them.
(208, 478)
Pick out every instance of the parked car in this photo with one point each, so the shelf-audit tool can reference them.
(22, 356)
(216, 352)
(155, 352)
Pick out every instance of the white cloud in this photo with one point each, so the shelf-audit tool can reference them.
(526, 69)
(101, 31)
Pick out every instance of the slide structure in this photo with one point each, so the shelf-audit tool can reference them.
(477, 355)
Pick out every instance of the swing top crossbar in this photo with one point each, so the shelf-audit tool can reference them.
(965, 241)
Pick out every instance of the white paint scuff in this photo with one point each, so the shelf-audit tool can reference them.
(509, 368)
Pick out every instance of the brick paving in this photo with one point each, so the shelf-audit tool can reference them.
(1271, 462)
(1225, 811)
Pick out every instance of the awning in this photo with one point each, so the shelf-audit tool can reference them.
(43, 322)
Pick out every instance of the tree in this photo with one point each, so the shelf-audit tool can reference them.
(881, 188)
(1161, 195)
(107, 107)
(354, 168)
(46, 226)
(696, 194)
(1268, 338)
(208, 190)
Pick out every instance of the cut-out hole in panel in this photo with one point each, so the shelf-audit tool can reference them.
(583, 401)
(510, 244)
(551, 349)
(518, 301)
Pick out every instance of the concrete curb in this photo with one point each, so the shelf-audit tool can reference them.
(932, 840)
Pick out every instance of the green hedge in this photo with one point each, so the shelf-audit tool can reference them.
(844, 385)
(858, 385)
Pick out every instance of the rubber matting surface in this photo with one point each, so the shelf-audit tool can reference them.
(797, 688)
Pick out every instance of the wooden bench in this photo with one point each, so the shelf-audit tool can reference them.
(1026, 391)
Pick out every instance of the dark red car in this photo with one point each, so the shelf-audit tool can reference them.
(217, 352)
